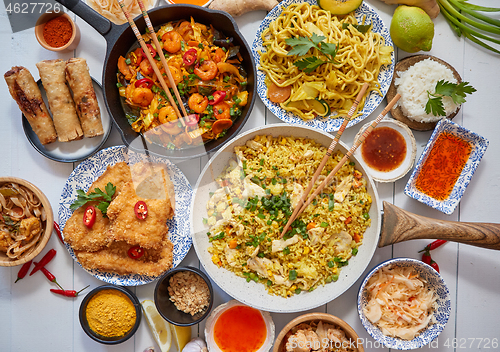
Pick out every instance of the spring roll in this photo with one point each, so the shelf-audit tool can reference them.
(66, 122)
(26, 93)
(78, 77)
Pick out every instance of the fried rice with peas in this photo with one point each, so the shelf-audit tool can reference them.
(258, 192)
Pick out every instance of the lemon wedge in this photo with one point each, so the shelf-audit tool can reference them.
(182, 335)
(160, 328)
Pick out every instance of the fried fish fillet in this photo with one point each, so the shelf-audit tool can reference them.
(125, 226)
(79, 236)
(115, 259)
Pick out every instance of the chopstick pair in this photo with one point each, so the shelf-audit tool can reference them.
(328, 179)
(152, 61)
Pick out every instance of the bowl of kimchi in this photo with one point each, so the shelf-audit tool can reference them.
(404, 303)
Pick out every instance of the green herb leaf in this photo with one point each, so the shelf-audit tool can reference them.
(435, 107)
(309, 64)
(292, 275)
(362, 28)
(457, 92)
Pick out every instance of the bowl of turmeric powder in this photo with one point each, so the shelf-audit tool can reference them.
(57, 32)
(110, 314)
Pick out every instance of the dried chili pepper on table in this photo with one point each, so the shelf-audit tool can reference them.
(23, 271)
(433, 245)
(45, 260)
(426, 258)
(434, 265)
(58, 231)
(68, 293)
(50, 276)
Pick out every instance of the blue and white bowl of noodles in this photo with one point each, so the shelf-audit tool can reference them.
(441, 313)
(331, 123)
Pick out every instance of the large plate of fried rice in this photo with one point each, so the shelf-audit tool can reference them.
(242, 200)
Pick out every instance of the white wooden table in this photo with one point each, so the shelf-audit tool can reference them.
(34, 319)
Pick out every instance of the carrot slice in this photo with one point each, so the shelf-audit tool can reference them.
(278, 94)
(122, 66)
(221, 125)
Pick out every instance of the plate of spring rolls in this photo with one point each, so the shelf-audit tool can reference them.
(61, 112)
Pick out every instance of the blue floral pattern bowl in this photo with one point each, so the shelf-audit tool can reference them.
(442, 313)
(179, 226)
(479, 145)
(327, 124)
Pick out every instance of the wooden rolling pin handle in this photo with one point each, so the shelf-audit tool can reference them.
(400, 225)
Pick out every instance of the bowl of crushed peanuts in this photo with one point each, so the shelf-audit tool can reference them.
(184, 296)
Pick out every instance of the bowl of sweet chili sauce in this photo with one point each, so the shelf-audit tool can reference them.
(446, 166)
(389, 151)
(234, 326)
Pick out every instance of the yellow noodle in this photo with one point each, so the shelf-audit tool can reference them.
(359, 58)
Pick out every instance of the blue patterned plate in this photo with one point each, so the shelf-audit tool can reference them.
(324, 124)
(179, 227)
(479, 145)
(442, 312)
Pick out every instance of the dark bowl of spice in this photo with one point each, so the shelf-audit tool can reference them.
(57, 32)
(184, 296)
(110, 314)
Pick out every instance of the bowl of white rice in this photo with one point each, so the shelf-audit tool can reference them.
(414, 78)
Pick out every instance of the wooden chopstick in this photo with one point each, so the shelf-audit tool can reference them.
(351, 151)
(162, 57)
(152, 61)
(326, 157)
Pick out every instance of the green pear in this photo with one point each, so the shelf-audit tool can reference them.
(412, 29)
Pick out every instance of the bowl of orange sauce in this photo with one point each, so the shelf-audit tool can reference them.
(389, 151)
(234, 326)
(446, 166)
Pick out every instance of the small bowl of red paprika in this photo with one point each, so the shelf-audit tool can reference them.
(57, 32)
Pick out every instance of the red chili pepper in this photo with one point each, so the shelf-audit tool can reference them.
(141, 210)
(144, 83)
(45, 260)
(58, 231)
(50, 277)
(218, 96)
(433, 245)
(23, 271)
(190, 57)
(426, 258)
(192, 120)
(68, 293)
(435, 265)
(89, 216)
(151, 50)
(136, 252)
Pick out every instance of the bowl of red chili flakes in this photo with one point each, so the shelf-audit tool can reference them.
(57, 32)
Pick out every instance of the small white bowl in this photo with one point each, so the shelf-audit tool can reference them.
(479, 145)
(216, 313)
(442, 313)
(406, 165)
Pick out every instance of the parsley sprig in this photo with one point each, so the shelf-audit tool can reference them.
(104, 198)
(301, 45)
(444, 88)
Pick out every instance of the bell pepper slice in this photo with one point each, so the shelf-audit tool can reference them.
(151, 50)
(144, 83)
(217, 97)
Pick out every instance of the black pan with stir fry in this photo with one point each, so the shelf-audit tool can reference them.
(207, 69)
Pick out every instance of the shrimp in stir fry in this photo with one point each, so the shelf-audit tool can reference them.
(207, 70)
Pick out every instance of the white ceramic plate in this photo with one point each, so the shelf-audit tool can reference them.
(255, 294)
(89, 170)
(69, 152)
(411, 151)
(325, 124)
